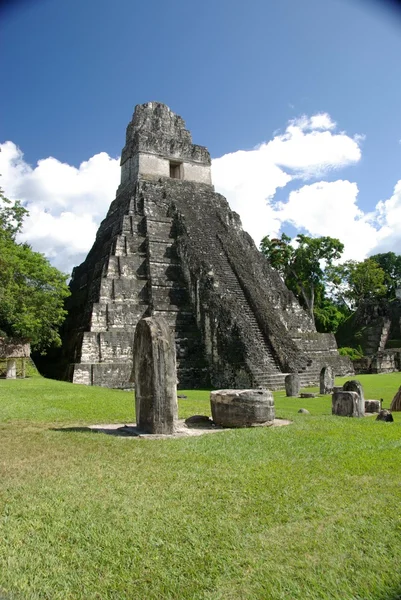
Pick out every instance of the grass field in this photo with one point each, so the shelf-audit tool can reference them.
(308, 511)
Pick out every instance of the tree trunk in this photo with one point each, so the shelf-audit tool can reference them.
(309, 301)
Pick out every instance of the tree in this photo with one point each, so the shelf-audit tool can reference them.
(303, 266)
(356, 282)
(329, 315)
(32, 292)
(391, 265)
(11, 216)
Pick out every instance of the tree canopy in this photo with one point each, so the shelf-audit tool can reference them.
(356, 282)
(391, 265)
(32, 292)
(330, 291)
(303, 266)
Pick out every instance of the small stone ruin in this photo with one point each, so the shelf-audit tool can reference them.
(326, 380)
(11, 350)
(365, 406)
(242, 408)
(349, 401)
(346, 404)
(355, 386)
(292, 384)
(155, 377)
(385, 415)
(372, 406)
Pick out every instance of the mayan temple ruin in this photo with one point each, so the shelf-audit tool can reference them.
(171, 246)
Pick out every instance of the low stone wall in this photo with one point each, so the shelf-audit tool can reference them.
(388, 361)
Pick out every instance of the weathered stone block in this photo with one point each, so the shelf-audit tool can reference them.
(326, 380)
(242, 408)
(372, 406)
(292, 384)
(385, 415)
(346, 404)
(353, 385)
(155, 376)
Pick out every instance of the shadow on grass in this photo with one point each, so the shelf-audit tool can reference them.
(125, 431)
(192, 426)
(195, 425)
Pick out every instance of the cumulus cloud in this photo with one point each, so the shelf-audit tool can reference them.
(389, 219)
(65, 203)
(319, 121)
(307, 149)
(330, 209)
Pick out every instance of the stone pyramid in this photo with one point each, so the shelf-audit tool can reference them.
(171, 246)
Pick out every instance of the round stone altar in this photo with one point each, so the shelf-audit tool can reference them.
(242, 408)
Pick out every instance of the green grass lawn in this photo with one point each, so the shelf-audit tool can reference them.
(308, 511)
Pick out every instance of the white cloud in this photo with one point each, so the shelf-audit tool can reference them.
(330, 209)
(250, 179)
(319, 121)
(389, 219)
(322, 121)
(65, 203)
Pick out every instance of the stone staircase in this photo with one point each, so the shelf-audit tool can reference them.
(260, 361)
(169, 298)
(384, 334)
(264, 367)
(377, 334)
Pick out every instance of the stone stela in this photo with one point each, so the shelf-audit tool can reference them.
(326, 380)
(171, 247)
(292, 384)
(155, 377)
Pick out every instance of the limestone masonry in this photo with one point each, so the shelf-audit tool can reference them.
(171, 247)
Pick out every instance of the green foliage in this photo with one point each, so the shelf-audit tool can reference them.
(32, 292)
(353, 353)
(266, 513)
(328, 316)
(11, 216)
(357, 282)
(303, 267)
(22, 364)
(391, 265)
(351, 333)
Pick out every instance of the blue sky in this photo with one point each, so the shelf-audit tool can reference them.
(238, 73)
